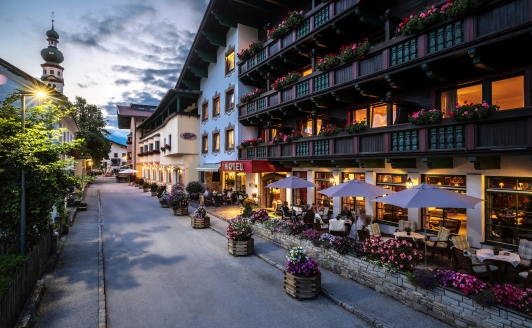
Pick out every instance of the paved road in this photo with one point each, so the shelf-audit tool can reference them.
(162, 273)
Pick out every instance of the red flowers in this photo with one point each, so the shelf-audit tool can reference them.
(285, 80)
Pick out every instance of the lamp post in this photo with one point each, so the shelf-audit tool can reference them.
(22, 176)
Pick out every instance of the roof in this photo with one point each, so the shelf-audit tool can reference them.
(124, 113)
(117, 140)
(182, 100)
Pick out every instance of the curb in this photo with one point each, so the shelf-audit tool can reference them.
(28, 316)
(373, 321)
(102, 314)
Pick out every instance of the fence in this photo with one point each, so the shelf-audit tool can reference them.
(14, 299)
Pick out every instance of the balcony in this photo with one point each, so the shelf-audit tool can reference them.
(499, 134)
(452, 49)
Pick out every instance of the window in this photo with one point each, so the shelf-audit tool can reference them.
(205, 144)
(359, 115)
(216, 107)
(268, 134)
(205, 111)
(307, 71)
(115, 155)
(44, 71)
(229, 61)
(230, 139)
(387, 212)
(305, 127)
(123, 155)
(353, 203)
(229, 100)
(323, 181)
(58, 73)
(151, 146)
(170, 139)
(156, 144)
(299, 195)
(215, 141)
(508, 93)
(379, 116)
(52, 72)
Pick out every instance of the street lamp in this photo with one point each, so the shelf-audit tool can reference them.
(409, 183)
(39, 94)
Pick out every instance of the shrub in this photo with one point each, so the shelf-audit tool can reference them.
(154, 187)
(392, 255)
(145, 185)
(485, 298)
(300, 264)
(161, 190)
(355, 126)
(141, 182)
(425, 117)
(194, 187)
(178, 199)
(239, 229)
(259, 216)
(10, 264)
(472, 111)
(423, 278)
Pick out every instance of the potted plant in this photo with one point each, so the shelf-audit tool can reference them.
(408, 230)
(496, 250)
(302, 277)
(146, 186)
(153, 188)
(194, 188)
(200, 220)
(141, 183)
(248, 207)
(179, 201)
(239, 241)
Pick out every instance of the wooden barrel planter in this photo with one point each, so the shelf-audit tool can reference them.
(181, 211)
(240, 248)
(302, 287)
(146, 189)
(154, 193)
(141, 187)
(165, 205)
(200, 223)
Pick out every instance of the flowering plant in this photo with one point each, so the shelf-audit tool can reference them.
(245, 143)
(417, 22)
(239, 229)
(253, 142)
(425, 117)
(346, 245)
(327, 62)
(467, 284)
(423, 278)
(285, 80)
(300, 264)
(310, 234)
(295, 229)
(194, 187)
(275, 225)
(327, 240)
(281, 137)
(167, 146)
(251, 95)
(513, 298)
(289, 22)
(260, 216)
(354, 50)
(355, 126)
(250, 51)
(392, 255)
(472, 111)
(329, 130)
(178, 199)
(161, 190)
(200, 213)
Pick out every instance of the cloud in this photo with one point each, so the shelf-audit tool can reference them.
(122, 82)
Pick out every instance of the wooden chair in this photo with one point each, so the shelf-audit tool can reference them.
(338, 233)
(473, 266)
(442, 242)
(525, 253)
(375, 230)
(453, 225)
(528, 278)
(308, 218)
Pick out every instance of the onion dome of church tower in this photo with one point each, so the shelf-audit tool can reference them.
(52, 70)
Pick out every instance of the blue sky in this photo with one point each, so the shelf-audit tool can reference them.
(116, 51)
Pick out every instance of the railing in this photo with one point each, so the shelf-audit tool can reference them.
(321, 147)
(250, 153)
(404, 52)
(321, 17)
(451, 137)
(321, 82)
(302, 148)
(446, 36)
(405, 141)
(261, 152)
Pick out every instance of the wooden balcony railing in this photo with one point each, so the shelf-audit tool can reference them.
(384, 58)
(508, 129)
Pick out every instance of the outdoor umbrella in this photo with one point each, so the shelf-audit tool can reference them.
(425, 195)
(355, 188)
(291, 182)
(129, 171)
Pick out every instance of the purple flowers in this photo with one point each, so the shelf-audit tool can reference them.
(394, 255)
(465, 283)
(239, 229)
(300, 264)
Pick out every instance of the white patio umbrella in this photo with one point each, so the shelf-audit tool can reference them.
(355, 188)
(424, 195)
(129, 171)
(291, 182)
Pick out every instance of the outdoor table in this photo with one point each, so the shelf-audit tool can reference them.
(500, 261)
(414, 236)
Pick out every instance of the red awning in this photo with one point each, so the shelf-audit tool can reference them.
(251, 166)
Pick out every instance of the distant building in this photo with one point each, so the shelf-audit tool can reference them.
(117, 156)
(52, 74)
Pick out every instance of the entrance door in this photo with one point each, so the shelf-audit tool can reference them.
(268, 195)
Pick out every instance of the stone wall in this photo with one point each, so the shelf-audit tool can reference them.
(445, 304)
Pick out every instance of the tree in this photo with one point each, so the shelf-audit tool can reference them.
(91, 128)
(39, 151)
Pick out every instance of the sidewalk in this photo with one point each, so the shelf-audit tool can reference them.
(367, 304)
(71, 298)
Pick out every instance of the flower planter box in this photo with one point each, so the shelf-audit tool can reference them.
(146, 189)
(200, 223)
(181, 211)
(240, 248)
(302, 287)
(154, 193)
(140, 187)
(82, 207)
(136, 185)
(165, 205)
(75, 203)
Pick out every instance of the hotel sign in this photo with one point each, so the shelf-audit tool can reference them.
(233, 166)
(188, 136)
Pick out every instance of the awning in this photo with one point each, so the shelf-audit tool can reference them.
(251, 166)
(209, 167)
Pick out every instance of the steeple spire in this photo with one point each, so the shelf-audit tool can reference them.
(52, 71)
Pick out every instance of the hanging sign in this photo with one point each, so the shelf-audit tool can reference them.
(188, 136)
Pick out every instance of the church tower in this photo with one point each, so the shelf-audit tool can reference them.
(52, 74)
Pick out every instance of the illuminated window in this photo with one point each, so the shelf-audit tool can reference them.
(508, 93)
(305, 127)
(216, 107)
(359, 115)
(306, 72)
(205, 144)
(215, 141)
(379, 116)
(229, 62)
(230, 100)
(230, 139)
(205, 111)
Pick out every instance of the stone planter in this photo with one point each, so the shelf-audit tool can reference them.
(154, 193)
(165, 205)
(240, 248)
(200, 223)
(181, 211)
(302, 287)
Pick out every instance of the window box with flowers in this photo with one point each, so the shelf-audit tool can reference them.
(473, 111)
(250, 51)
(281, 137)
(251, 142)
(354, 51)
(285, 80)
(329, 130)
(354, 127)
(290, 22)
(239, 241)
(200, 220)
(302, 277)
(425, 116)
(327, 62)
(167, 146)
(251, 95)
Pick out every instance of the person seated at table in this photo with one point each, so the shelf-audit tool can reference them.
(228, 197)
(320, 207)
(348, 217)
(207, 193)
(286, 210)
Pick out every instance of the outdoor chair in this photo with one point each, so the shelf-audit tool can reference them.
(525, 253)
(208, 201)
(375, 230)
(453, 225)
(442, 243)
(278, 208)
(528, 278)
(287, 216)
(473, 266)
(460, 242)
(404, 223)
(308, 218)
(338, 233)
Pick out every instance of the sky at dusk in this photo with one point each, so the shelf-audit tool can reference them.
(116, 51)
